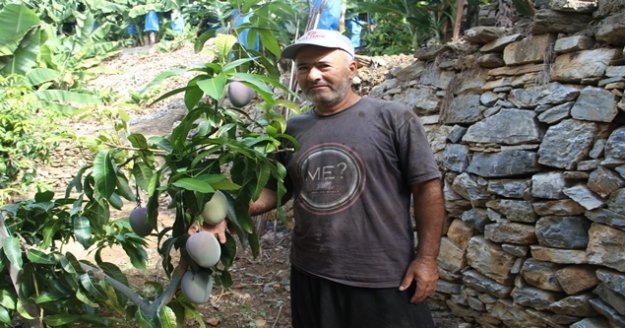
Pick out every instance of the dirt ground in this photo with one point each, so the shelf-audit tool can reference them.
(260, 294)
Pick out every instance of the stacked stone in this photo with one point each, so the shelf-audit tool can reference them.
(530, 134)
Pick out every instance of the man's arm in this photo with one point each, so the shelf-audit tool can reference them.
(429, 211)
(267, 201)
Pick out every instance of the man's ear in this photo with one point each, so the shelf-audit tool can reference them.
(353, 67)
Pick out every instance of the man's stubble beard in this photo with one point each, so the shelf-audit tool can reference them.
(337, 93)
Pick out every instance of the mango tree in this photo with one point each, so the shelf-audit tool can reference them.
(215, 148)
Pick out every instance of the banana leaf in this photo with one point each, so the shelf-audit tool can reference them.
(24, 58)
(39, 76)
(66, 97)
(15, 23)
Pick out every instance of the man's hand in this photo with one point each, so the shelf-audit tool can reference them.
(423, 271)
(219, 230)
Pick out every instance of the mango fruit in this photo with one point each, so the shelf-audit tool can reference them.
(215, 209)
(139, 221)
(197, 286)
(239, 94)
(204, 249)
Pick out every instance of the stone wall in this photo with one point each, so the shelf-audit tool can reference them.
(529, 130)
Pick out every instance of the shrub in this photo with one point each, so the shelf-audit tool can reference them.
(27, 133)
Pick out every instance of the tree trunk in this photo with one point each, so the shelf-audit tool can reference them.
(458, 22)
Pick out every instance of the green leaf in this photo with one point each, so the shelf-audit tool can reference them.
(25, 57)
(11, 248)
(46, 297)
(60, 319)
(226, 279)
(67, 97)
(82, 296)
(225, 185)
(242, 214)
(161, 77)
(123, 189)
(44, 196)
(233, 218)
(65, 319)
(82, 231)
(135, 251)
(116, 201)
(48, 231)
(228, 252)
(213, 87)
(22, 311)
(193, 93)
(113, 301)
(162, 142)
(16, 22)
(206, 183)
(67, 265)
(138, 140)
(153, 184)
(166, 251)
(257, 84)
(91, 287)
(223, 44)
(237, 63)
(39, 257)
(264, 173)
(142, 174)
(70, 264)
(76, 182)
(193, 184)
(269, 41)
(104, 174)
(167, 317)
(198, 45)
(5, 317)
(114, 272)
(39, 76)
(98, 213)
(180, 132)
(179, 311)
(167, 95)
(7, 299)
(143, 321)
(195, 314)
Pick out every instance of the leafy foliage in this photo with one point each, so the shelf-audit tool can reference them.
(34, 97)
(402, 26)
(57, 283)
(20, 39)
(25, 139)
(391, 36)
(214, 147)
(75, 56)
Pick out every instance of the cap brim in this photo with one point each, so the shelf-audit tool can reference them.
(290, 51)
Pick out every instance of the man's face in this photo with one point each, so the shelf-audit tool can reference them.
(324, 75)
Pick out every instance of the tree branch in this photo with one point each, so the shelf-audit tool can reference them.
(164, 298)
(120, 287)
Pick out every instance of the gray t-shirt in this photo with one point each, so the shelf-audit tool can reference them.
(350, 182)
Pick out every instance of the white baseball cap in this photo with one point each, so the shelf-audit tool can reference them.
(320, 38)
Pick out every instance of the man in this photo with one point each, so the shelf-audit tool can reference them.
(361, 159)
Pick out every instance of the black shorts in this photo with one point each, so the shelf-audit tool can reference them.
(320, 303)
